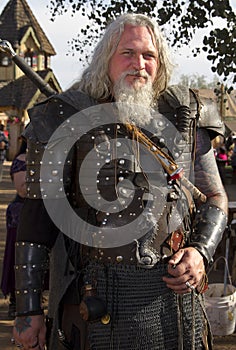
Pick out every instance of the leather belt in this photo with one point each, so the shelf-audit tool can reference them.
(121, 255)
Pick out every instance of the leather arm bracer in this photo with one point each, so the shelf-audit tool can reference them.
(32, 262)
(208, 227)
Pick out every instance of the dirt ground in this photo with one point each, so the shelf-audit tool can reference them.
(6, 195)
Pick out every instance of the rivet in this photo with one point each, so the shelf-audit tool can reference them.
(119, 258)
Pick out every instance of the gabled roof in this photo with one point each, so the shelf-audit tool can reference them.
(21, 92)
(229, 101)
(15, 19)
(229, 105)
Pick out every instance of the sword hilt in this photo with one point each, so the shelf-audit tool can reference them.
(7, 47)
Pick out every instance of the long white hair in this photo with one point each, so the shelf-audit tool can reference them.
(95, 80)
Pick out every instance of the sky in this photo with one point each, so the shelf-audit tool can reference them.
(67, 68)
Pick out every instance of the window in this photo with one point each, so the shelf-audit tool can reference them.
(5, 61)
(31, 58)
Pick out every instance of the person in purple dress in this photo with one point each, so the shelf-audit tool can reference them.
(17, 172)
(3, 148)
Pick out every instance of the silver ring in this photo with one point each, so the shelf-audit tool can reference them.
(189, 285)
(20, 346)
(12, 340)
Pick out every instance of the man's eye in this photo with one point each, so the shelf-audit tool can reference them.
(127, 53)
(149, 55)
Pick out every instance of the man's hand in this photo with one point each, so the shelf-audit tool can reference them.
(30, 332)
(187, 270)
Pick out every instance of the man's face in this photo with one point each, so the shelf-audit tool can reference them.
(137, 55)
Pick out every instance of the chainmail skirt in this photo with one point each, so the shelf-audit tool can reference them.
(145, 314)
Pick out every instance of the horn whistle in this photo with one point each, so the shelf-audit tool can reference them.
(92, 308)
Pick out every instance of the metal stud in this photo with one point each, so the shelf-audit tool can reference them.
(119, 258)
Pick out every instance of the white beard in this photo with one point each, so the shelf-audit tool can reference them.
(134, 101)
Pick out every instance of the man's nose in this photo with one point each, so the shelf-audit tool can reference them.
(138, 62)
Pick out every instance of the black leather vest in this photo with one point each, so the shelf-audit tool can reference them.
(116, 168)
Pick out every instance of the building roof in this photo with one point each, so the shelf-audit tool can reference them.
(20, 92)
(229, 101)
(15, 19)
(231, 125)
(229, 107)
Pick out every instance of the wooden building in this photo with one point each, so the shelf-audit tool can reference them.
(19, 26)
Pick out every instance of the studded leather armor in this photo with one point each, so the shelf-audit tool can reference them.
(175, 133)
(114, 170)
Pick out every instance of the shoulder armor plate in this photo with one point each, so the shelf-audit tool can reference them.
(48, 115)
(210, 118)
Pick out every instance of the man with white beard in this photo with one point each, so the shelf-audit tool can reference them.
(128, 270)
(133, 96)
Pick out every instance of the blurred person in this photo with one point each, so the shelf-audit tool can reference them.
(230, 140)
(3, 148)
(18, 174)
(222, 161)
(233, 157)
